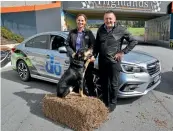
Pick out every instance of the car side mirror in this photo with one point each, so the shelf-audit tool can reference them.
(62, 49)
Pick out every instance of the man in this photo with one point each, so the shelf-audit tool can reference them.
(109, 40)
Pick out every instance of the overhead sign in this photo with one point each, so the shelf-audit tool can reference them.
(153, 6)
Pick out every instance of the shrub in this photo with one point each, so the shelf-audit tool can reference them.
(6, 33)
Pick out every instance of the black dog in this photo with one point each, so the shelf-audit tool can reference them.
(74, 76)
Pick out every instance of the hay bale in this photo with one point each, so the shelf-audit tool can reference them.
(78, 113)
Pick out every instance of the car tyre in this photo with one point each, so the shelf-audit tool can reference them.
(23, 71)
(97, 85)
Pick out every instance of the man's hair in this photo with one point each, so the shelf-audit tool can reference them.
(110, 11)
(82, 15)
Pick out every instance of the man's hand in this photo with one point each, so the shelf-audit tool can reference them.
(118, 56)
(92, 59)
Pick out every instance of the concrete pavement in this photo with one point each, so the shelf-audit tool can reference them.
(21, 105)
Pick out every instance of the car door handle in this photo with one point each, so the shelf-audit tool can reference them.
(48, 56)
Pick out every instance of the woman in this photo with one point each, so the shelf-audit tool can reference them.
(81, 37)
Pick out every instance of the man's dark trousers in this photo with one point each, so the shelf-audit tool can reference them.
(109, 75)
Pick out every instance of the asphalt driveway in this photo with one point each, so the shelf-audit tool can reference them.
(21, 103)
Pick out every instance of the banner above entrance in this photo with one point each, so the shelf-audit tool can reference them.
(153, 6)
(128, 6)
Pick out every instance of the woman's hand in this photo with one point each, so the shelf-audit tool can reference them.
(92, 59)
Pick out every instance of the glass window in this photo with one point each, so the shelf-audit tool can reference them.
(57, 41)
(28, 44)
(38, 42)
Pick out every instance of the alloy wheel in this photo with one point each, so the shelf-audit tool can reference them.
(22, 70)
(97, 86)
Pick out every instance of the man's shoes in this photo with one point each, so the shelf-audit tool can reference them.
(111, 107)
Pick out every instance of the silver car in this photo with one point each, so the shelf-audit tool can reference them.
(44, 56)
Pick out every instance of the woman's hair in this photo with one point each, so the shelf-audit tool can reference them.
(82, 15)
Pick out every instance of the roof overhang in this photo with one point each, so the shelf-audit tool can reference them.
(121, 15)
(124, 10)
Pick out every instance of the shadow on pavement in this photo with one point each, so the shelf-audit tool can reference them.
(47, 86)
(33, 83)
(34, 102)
(166, 85)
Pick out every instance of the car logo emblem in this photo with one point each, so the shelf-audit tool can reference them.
(153, 65)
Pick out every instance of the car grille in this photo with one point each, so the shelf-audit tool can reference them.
(153, 68)
(150, 85)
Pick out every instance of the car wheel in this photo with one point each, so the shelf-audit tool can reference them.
(97, 85)
(23, 71)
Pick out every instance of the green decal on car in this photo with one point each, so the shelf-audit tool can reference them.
(22, 57)
(28, 61)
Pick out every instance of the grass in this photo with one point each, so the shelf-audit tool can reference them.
(94, 30)
(7, 34)
(137, 31)
(133, 31)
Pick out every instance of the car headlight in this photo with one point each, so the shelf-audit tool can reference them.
(132, 68)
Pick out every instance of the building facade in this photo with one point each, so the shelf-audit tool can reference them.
(27, 18)
(31, 18)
